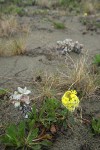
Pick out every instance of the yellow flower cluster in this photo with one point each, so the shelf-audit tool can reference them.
(70, 100)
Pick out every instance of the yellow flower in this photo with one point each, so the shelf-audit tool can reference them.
(85, 14)
(70, 100)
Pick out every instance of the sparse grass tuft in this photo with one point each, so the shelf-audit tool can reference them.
(75, 76)
(44, 3)
(18, 46)
(88, 7)
(9, 26)
(48, 85)
(59, 25)
(12, 47)
(80, 78)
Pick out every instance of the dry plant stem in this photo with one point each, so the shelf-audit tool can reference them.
(80, 113)
(85, 120)
(46, 136)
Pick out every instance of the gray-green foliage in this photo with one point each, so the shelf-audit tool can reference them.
(97, 59)
(59, 25)
(96, 126)
(23, 137)
(2, 91)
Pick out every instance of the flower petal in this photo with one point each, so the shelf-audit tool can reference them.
(25, 99)
(15, 96)
(17, 104)
(70, 100)
(27, 92)
(20, 90)
(25, 89)
(26, 116)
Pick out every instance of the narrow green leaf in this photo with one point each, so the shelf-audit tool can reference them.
(31, 124)
(21, 129)
(46, 143)
(32, 135)
(36, 147)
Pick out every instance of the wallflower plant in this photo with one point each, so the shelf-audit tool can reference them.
(24, 136)
(36, 132)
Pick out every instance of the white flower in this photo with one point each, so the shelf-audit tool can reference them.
(25, 99)
(16, 104)
(20, 97)
(24, 91)
(26, 116)
(16, 96)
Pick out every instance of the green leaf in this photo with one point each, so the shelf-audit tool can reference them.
(96, 126)
(36, 147)
(12, 131)
(32, 135)
(21, 130)
(12, 134)
(97, 59)
(2, 92)
(46, 143)
(48, 111)
(33, 114)
(5, 140)
(31, 124)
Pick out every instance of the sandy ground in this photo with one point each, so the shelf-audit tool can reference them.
(42, 37)
(19, 70)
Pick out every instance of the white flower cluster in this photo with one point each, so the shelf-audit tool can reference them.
(68, 45)
(20, 97)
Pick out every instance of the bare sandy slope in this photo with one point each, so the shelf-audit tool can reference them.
(43, 37)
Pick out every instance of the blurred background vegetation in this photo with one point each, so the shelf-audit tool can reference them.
(79, 6)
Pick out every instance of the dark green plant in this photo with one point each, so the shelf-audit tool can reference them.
(59, 25)
(24, 136)
(33, 133)
(96, 126)
(2, 91)
(52, 113)
(97, 59)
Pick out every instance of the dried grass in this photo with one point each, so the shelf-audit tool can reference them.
(12, 47)
(88, 7)
(9, 26)
(48, 85)
(78, 77)
(48, 3)
(44, 3)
